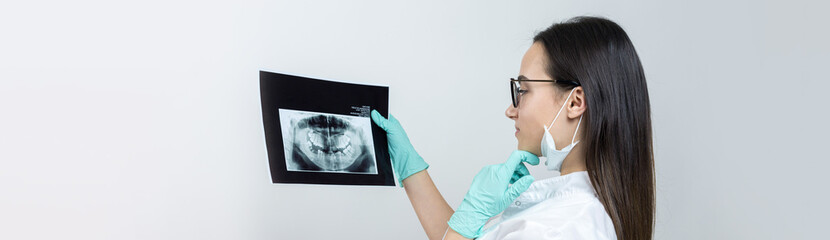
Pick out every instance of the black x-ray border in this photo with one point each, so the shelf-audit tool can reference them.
(308, 94)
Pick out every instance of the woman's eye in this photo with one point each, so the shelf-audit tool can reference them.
(522, 91)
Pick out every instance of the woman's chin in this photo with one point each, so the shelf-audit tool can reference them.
(535, 151)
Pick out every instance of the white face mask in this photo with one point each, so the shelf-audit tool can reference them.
(556, 157)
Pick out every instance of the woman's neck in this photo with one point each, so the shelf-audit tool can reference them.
(574, 162)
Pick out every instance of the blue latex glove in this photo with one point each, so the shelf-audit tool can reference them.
(491, 193)
(405, 160)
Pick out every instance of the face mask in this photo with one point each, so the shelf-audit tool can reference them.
(556, 157)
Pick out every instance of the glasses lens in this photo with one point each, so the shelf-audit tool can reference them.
(514, 93)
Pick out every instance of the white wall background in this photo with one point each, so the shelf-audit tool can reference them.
(141, 120)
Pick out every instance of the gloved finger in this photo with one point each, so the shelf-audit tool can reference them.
(521, 171)
(520, 156)
(518, 188)
(531, 158)
(515, 177)
(393, 120)
(379, 119)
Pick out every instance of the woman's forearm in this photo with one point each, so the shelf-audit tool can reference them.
(431, 208)
(452, 235)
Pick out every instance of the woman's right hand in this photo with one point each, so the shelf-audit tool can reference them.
(494, 188)
(405, 161)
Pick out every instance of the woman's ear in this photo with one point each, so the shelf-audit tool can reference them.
(577, 105)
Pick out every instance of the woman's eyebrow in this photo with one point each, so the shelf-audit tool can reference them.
(523, 85)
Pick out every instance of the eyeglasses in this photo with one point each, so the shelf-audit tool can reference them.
(515, 90)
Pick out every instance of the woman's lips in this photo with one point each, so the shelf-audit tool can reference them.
(517, 132)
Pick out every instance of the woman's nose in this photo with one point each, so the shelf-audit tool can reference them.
(510, 112)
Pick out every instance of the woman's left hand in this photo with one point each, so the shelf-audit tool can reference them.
(492, 192)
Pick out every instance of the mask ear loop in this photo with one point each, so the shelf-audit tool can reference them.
(577, 128)
(560, 111)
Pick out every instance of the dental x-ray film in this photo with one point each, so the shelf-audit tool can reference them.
(321, 132)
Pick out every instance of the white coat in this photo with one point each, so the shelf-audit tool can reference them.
(561, 207)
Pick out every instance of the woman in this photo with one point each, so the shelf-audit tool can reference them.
(582, 70)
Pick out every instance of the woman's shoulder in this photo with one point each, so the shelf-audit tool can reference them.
(563, 211)
(579, 217)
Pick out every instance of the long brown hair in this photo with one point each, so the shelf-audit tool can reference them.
(598, 54)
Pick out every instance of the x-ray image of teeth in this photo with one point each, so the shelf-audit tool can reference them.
(323, 142)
